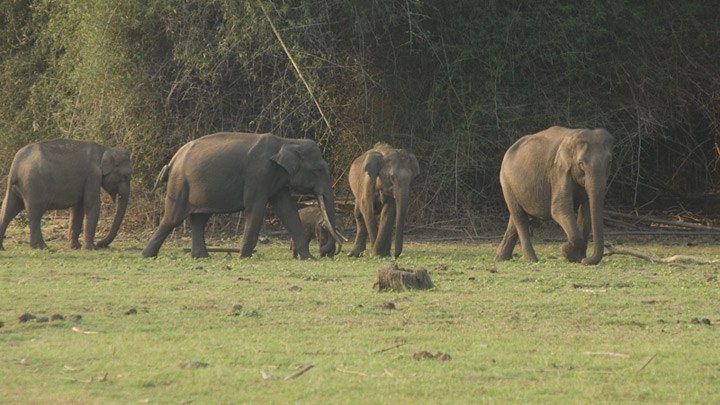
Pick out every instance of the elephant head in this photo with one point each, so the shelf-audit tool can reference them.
(116, 172)
(309, 173)
(585, 157)
(390, 172)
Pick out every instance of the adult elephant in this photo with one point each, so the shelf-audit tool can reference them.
(380, 181)
(65, 173)
(555, 174)
(230, 172)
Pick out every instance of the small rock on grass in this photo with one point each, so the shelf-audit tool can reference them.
(74, 317)
(387, 305)
(295, 288)
(131, 311)
(237, 307)
(42, 319)
(57, 317)
(26, 317)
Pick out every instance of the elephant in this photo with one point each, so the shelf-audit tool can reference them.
(380, 181)
(65, 173)
(555, 174)
(230, 172)
(315, 227)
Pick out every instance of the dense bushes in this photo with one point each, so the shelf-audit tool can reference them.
(455, 82)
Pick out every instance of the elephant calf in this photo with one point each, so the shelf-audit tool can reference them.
(315, 227)
(380, 181)
(558, 174)
(65, 173)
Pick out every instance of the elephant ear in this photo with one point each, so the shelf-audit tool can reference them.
(414, 165)
(373, 163)
(107, 162)
(288, 157)
(566, 153)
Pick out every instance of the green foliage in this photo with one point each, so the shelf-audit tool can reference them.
(550, 332)
(455, 82)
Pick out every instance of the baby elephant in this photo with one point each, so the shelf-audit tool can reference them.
(316, 228)
(65, 173)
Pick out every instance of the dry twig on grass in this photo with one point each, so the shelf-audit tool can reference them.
(300, 372)
(609, 354)
(672, 260)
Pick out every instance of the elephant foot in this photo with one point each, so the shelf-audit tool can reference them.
(354, 253)
(103, 244)
(200, 255)
(74, 245)
(572, 254)
(90, 246)
(502, 257)
(38, 246)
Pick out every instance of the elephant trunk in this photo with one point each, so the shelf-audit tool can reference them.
(329, 218)
(595, 185)
(122, 199)
(402, 200)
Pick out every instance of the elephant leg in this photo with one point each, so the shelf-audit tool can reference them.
(286, 210)
(360, 235)
(35, 217)
(176, 210)
(254, 214)
(292, 249)
(520, 219)
(505, 249)
(381, 248)
(325, 242)
(92, 214)
(157, 238)
(563, 213)
(76, 222)
(11, 207)
(583, 221)
(197, 231)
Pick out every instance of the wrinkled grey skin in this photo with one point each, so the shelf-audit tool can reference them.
(230, 172)
(316, 228)
(65, 173)
(555, 174)
(380, 181)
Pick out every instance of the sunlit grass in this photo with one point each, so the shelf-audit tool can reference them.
(516, 332)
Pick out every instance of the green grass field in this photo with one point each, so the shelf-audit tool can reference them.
(550, 332)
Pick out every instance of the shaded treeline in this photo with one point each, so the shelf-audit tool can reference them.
(456, 82)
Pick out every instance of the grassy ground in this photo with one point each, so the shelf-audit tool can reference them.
(622, 331)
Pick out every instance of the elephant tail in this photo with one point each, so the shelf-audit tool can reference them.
(163, 176)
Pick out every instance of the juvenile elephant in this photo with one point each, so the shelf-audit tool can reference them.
(315, 227)
(380, 181)
(554, 174)
(65, 173)
(230, 172)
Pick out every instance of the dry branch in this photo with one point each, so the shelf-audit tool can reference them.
(300, 372)
(653, 220)
(612, 250)
(226, 250)
(609, 354)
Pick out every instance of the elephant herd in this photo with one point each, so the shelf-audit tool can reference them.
(558, 174)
